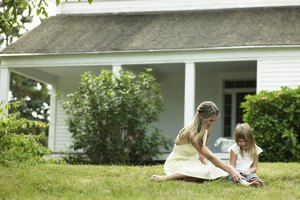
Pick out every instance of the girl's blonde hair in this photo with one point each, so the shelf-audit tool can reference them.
(205, 111)
(245, 132)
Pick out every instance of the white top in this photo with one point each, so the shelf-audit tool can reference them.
(243, 162)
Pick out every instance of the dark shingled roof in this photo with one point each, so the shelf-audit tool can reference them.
(162, 31)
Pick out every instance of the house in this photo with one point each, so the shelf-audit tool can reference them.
(198, 50)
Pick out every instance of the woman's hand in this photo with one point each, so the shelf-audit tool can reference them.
(236, 176)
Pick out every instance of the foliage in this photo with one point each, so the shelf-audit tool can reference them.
(109, 117)
(35, 96)
(8, 35)
(275, 118)
(11, 9)
(17, 144)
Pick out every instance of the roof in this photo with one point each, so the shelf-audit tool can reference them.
(67, 34)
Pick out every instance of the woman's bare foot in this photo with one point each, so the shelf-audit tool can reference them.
(157, 178)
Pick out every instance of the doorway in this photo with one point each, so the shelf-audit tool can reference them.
(234, 94)
(240, 97)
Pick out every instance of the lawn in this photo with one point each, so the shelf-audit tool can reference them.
(61, 181)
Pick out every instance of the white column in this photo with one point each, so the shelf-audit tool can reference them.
(258, 76)
(116, 68)
(4, 85)
(189, 92)
(52, 123)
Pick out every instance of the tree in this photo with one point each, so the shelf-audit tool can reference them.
(35, 96)
(34, 104)
(109, 117)
(10, 10)
(18, 144)
(8, 35)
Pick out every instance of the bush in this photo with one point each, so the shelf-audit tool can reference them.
(27, 126)
(275, 118)
(16, 147)
(109, 117)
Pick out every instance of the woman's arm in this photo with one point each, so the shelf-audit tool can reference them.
(216, 161)
(203, 159)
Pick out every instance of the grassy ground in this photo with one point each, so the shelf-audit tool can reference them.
(132, 182)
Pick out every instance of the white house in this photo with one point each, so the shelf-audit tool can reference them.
(199, 50)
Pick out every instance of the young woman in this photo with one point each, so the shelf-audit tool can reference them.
(244, 155)
(188, 160)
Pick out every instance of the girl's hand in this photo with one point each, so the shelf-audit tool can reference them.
(245, 173)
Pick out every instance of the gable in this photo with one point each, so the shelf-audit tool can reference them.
(67, 34)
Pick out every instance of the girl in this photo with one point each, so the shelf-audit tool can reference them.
(188, 160)
(244, 155)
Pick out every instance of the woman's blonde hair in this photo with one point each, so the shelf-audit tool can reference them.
(205, 111)
(245, 132)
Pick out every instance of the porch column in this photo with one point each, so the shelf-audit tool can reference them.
(4, 85)
(116, 68)
(189, 92)
(52, 122)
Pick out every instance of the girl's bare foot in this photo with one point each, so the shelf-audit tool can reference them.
(256, 182)
(157, 178)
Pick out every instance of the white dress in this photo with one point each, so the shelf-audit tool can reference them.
(184, 159)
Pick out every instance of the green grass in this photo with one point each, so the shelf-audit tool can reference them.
(55, 181)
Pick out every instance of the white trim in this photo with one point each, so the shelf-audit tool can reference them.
(149, 58)
(138, 6)
(151, 50)
(189, 92)
(52, 122)
(4, 85)
(258, 76)
(37, 75)
(116, 68)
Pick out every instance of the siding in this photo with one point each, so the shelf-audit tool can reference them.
(273, 74)
(209, 86)
(119, 6)
(171, 119)
(62, 135)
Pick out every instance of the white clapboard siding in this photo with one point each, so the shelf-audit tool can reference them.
(273, 74)
(118, 6)
(171, 119)
(62, 135)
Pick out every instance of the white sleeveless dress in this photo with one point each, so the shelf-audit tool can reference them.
(184, 159)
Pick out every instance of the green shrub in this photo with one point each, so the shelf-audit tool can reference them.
(17, 145)
(275, 118)
(109, 117)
